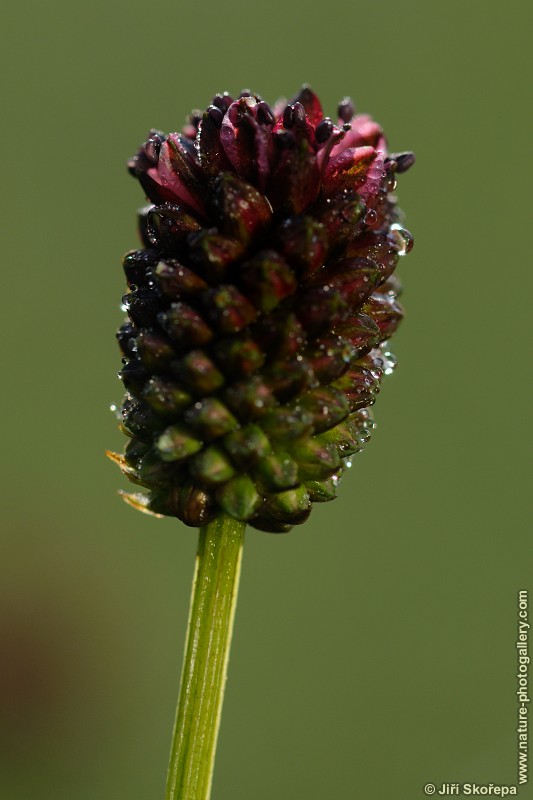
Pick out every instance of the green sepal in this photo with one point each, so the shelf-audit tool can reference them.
(328, 407)
(249, 399)
(165, 397)
(239, 498)
(247, 445)
(177, 443)
(287, 424)
(345, 436)
(239, 356)
(276, 472)
(198, 373)
(211, 466)
(210, 418)
(175, 280)
(290, 506)
(322, 491)
(214, 254)
(185, 326)
(154, 350)
(316, 461)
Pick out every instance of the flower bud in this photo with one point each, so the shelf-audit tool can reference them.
(257, 304)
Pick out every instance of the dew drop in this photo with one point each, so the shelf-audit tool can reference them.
(404, 240)
(385, 360)
(370, 217)
(389, 362)
(115, 410)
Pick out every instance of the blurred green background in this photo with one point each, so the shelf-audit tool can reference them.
(374, 647)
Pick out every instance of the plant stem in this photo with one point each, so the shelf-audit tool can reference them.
(213, 601)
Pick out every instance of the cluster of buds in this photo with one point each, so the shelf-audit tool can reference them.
(259, 308)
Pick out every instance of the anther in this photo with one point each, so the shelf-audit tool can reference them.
(346, 109)
(323, 130)
(216, 115)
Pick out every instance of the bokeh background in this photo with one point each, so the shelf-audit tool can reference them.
(374, 647)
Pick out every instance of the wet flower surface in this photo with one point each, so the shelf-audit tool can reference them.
(259, 308)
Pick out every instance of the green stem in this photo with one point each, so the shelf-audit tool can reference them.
(213, 601)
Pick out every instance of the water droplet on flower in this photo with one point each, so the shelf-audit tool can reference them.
(389, 362)
(347, 463)
(384, 360)
(370, 217)
(404, 240)
(115, 411)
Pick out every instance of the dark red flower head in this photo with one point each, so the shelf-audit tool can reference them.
(259, 307)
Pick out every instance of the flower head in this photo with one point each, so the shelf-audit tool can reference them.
(259, 308)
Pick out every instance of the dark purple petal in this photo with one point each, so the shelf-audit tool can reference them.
(364, 131)
(268, 280)
(185, 326)
(304, 243)
(358, 168)
(330, 357)
(355, 278)
(360, 386)
(239, 355)
(228, 309)
(341, 216)
(280, 334)
(168, 227)
(213, 157)
(246, 140)
(175, 280)
(386, 312)
(379, 248)
(213, 254)
(320, 307)
(361, 332)
(175, 175)
(242, 212)
(295, 180)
